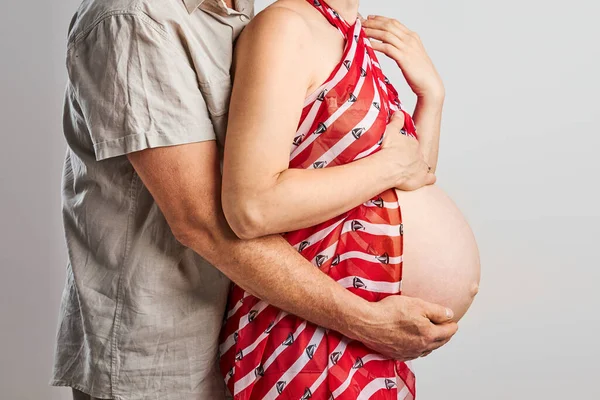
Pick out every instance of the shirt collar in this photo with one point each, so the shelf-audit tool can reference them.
(192, 5)
(244, 5)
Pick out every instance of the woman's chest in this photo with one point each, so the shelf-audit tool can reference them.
(345, 117)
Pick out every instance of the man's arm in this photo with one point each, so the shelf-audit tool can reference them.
(185, 182)
(121, 72)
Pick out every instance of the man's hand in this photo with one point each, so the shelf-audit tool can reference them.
(404, 155)
(404, 328)
(185, 182)
(405, 47)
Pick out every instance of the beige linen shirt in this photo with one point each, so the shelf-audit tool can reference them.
(140, 313)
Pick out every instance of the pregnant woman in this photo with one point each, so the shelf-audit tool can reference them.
(329, 101)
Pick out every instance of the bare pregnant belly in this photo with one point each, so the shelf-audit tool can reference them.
(441, 259)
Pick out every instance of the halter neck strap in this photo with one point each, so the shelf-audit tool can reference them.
(331, 15)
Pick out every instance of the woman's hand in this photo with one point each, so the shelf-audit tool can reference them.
(404, 154)
(405, 47)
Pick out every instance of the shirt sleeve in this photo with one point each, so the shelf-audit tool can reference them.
(136, 87)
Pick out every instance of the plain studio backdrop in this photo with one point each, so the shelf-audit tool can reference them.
(519, 155)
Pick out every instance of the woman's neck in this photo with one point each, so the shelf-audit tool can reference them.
(348, 9)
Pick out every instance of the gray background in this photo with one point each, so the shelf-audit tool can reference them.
(519, 156)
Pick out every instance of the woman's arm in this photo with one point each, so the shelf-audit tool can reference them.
(428, 119)
(261, 196)
(405, 47)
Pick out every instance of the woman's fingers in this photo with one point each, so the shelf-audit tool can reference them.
(389, 50)
(389, 44)
(384, 36)
(387, 24)
(406, 48)
(396, 122)
(390, 31)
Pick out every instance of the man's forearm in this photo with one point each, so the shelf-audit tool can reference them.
(185, 182)
(428, 118)
(271, 269)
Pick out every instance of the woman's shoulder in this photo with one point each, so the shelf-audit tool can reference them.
(291, 18)
(282, 26)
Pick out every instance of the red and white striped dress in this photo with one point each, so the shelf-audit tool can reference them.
(267, 353)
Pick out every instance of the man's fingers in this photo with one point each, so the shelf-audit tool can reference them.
(438, 314)
(436, 345)
(443, 334)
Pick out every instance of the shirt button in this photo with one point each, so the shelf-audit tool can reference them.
(244, 18)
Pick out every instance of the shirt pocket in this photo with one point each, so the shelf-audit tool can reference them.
(217, 95)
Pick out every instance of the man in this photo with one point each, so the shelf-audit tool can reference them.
(145, 113)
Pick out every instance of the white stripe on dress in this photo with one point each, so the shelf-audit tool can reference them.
(367, 227)
(298, 365)
(229, 375)
(239, 304)
(372, 229)
(328, 253)
(247, 380)
(345, 142)
(357, 282)
(264, 335)
(305, 126)
(386, 204)
(338, 76)
(340, 348)
(402, 393)
(320, 235)
(368, 257)
(373, 387)
(230, 341)
(346, 383)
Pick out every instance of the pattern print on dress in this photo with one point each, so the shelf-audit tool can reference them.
(269, 354)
